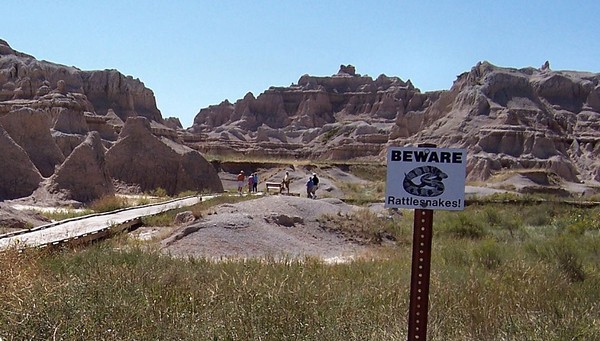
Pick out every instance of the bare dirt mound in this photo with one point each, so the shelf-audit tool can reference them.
(273, 226)
(12, 220)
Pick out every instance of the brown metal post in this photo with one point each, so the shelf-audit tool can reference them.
(420, 271)
(419, 278)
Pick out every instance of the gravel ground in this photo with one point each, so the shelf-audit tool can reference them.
(275, 226)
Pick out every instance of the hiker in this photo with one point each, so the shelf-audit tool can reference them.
(309, 188)
(315, 181)
(240, 182)
(255, 183)
(285, 183)
(250, 183)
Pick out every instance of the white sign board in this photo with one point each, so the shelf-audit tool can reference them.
(426, 178)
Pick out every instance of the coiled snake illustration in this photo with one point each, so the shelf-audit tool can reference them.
(431, 181)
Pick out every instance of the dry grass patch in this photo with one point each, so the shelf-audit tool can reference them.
(369, 171)
(368, 228)
(540, 283)
(62, 214)
(359, 194)
(108, 203)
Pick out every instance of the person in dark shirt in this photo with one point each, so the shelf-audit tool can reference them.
(315, 183)
(255, 183)
(309, 188)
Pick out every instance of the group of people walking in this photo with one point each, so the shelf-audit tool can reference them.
(252, 182)
(311, 186)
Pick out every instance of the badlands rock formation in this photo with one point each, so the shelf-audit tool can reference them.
(18, 175)
(23, 77)
(520, 118)
(507, 119)
(30, 129)
(141, 158)
(341, 117)
(84, 175)
(56, 122)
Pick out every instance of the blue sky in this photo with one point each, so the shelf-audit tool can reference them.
(193, 54)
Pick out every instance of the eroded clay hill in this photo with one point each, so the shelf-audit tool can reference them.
(507, 119)
(66, 130)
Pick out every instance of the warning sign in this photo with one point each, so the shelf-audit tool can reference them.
(431, 178)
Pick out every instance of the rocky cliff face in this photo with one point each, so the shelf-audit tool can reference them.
(31, 130)
(506, 118)
(343, 116)
(56, 122)
(315, 102)
(18, 175)
(22, 77)
(520, 118)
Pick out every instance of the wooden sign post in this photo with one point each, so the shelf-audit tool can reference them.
(424, 178)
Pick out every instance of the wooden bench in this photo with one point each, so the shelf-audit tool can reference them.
(273, 186)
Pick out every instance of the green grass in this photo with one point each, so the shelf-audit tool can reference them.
(104, 204)
(108, 203)
(511, 274)
(63, 214)
(330, 134)
(360, 194)
(369, 171)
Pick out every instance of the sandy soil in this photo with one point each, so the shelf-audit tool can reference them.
(275, 226)
(278, 226)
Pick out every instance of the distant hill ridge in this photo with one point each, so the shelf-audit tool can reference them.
(507, 118)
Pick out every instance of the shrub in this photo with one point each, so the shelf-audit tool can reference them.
(108, 203)
(144, 201)
(361, 194)
(577, 221)
(541, 214)
(464, 225)
(493, 216)
(330, 134)
(159, 192)
(162, 219)
(370, 172)
(187, 194)
(454, 255)
(563, 252)
(199, 208)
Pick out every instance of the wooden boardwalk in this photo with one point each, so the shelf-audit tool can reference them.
(87, 228)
